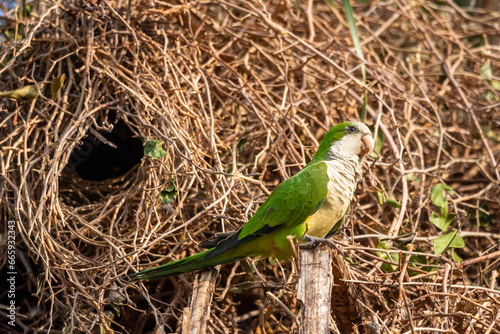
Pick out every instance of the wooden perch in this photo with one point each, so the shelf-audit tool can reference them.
(314, 289)
(197, 313)
(322, 284)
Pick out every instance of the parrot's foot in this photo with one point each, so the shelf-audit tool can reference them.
(313, 241)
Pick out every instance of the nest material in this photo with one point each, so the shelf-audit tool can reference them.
(240, 92)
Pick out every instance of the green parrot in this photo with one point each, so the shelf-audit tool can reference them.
(315, 200)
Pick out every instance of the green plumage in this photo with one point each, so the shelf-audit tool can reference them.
(288, 206)
(292, 201)
(285, 212)
(185, 265)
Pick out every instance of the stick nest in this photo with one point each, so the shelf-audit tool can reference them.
(240, 93)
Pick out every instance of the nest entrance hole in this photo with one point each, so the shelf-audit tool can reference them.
(95, 160)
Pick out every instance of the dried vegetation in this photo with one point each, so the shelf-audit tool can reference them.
(240, 92)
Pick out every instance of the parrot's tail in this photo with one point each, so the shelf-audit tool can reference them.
(191, 263)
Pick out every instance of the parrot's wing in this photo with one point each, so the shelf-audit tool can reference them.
(217, 239)
(288, 205)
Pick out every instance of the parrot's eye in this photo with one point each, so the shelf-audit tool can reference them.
(352, 129)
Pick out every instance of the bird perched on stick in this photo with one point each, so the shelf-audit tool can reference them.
(315, 200)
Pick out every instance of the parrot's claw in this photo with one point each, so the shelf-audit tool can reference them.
(313, 241)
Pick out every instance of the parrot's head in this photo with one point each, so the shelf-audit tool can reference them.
(351, 140)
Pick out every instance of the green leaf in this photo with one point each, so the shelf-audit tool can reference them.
(380, 197)
(442, 222)
(330, 2)
(455, 256)
(26, 93)
(451, 240)
(486, 72)
(379, 141)
(29, 9)
(438, 195)
(154, 149)
(116, 299)
(444, 210)
(420, 259)
(357, 46)
(390, 268)
(240, 145)
(383, 245)
(109, 318)
(412, 178)
(382, 200)
(393, 257)
(56, 85)
(490, 96)
(490, 134)
(354, 34)
(495, 84)
(393, 203)
(170, 193)
(416, 261)
(117, 309)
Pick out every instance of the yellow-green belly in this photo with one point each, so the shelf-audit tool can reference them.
(320, 223)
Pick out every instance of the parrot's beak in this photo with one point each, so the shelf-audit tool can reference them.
(366, 145)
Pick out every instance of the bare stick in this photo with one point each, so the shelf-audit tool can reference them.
(314, 289)
(196, 315)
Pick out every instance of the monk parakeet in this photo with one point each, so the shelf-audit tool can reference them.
(314, 200)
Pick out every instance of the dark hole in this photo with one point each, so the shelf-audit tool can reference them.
(97, 161)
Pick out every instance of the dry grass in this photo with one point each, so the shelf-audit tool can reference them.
(240, 92)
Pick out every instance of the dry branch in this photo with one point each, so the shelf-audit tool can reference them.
(314, 289)
(197, 314)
